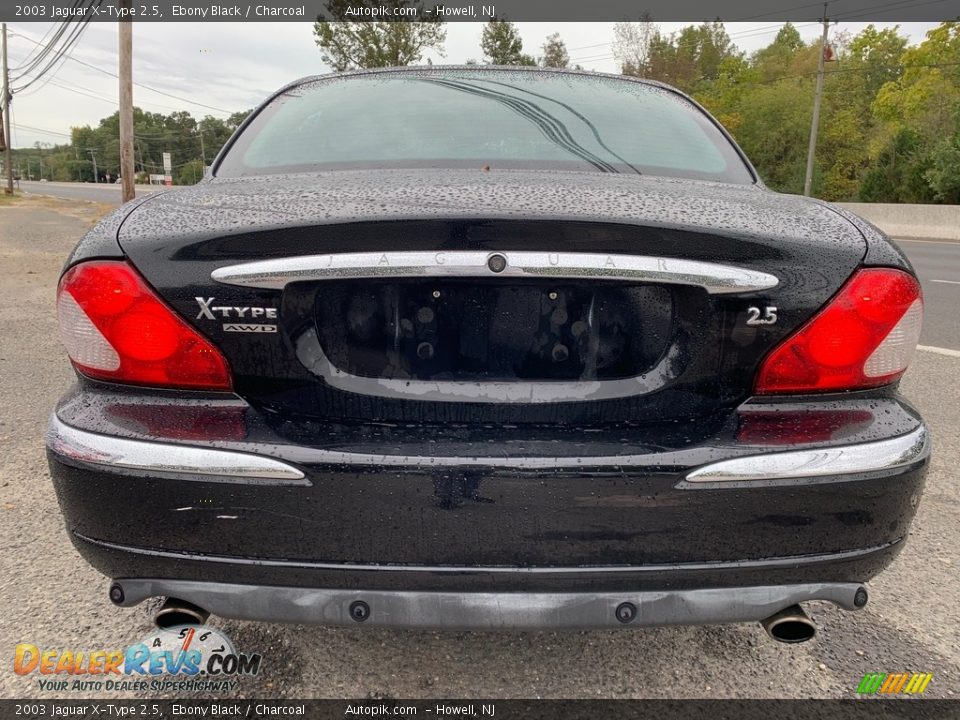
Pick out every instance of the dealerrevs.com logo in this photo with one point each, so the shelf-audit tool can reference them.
(189, 658)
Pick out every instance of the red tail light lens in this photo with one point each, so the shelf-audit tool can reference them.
(863, 338)
(116, 328)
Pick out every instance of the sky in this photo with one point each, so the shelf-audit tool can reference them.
(220, 68)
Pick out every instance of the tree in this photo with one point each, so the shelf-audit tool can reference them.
(346, 44)
(187, 139)
(555, 53)
(687, 58)
(774, 61)
(921, 105)
(631, 45)
(502, 45)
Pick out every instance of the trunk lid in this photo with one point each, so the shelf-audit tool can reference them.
(618, 301)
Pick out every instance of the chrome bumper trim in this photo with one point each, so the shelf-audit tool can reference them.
(166, 459)
(713, 277)
(817, 462)
(490, 611)
(116, 453)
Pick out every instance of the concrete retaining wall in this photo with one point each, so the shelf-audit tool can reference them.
(939, 222)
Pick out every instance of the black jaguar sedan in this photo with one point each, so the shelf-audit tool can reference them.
(487, 348)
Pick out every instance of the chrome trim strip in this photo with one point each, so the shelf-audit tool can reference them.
(714, 278)
(154, 457)
(818, 462)
(490, 610)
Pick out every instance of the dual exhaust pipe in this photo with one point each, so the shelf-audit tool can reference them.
(790, 625)
(175, 613)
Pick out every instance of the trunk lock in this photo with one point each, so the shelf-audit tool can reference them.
(497, 263)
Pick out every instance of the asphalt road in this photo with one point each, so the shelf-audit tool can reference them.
(50, 597)
(938, 266)
(91, 192)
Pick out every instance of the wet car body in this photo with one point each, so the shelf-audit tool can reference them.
(475, 397)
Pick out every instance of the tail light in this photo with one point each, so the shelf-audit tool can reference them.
(116, 328)
(863, 338)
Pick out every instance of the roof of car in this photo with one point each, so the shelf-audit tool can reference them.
(426, 69)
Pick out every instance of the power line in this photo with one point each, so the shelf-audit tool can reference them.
(55, 57)
(785, 10)
(53, 68)
(43, 41)
(42, 130)
(871, 12)
(45, 50)
(853, 14)
(87, 92)
(140, 85)
(741, 35)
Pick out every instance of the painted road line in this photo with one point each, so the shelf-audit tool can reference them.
(947, 282)
(945, 241)
(939, 350)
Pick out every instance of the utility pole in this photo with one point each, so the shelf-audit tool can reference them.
(7, 137)
(815, 121)
(126, 103)
(93, 158)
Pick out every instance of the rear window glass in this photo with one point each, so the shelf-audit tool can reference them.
(473, 118)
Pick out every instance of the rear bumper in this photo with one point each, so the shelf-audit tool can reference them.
(493, 611)
(532, 533)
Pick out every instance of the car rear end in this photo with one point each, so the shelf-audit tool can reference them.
(469, 397)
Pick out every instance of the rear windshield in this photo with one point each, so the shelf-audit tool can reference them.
(476, 118)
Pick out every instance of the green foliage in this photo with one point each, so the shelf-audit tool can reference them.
(688, 58)
(178, 133)
(917, 109)
(943, 175)
(555, 53)
(346, 44)
(502, 45)
(890, 115)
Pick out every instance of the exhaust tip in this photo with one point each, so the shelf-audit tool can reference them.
(176, 613)
(790, 625)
